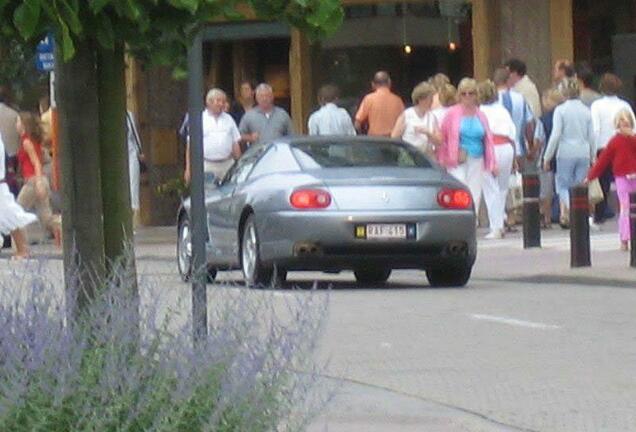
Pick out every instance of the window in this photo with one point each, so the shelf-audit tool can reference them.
(242, 168)
(278, 159)
(316, 155)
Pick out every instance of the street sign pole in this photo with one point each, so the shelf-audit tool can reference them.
(197, 209)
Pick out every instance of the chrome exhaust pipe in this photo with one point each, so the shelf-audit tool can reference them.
(307, 249)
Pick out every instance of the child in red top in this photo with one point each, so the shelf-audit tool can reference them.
(35, 192)
(620, 153)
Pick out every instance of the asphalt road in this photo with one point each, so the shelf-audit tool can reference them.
(493, 356)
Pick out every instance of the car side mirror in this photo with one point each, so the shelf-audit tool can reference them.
(211, 181)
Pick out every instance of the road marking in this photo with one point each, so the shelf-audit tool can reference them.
(515, 322)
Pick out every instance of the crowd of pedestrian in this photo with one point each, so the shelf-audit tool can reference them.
(483, 133)
(486, 134)
(26, 172)
(489, 133)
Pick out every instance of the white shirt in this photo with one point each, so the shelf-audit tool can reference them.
(413, 120)
(330, 120)
(499, 120)
(604, 112)
(521, 114)
(2, 168)
(219, 135)
(440, 113)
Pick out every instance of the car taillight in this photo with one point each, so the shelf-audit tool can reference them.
(310, 199)
(454, 199)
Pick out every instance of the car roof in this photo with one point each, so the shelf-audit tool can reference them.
(301, 139)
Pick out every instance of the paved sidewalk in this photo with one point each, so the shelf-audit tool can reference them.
(506, 259)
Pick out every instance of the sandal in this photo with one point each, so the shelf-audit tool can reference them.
(20, 257)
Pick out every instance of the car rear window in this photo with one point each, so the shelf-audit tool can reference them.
(339, 154)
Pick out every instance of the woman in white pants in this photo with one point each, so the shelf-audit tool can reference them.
(467, 144)
(13, 218)
(495, 186)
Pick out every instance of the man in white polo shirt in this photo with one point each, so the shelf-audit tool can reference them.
(220, 137)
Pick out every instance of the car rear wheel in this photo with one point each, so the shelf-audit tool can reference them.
(279, 276)
(451, 276)
(184, 249)
(254, 272)
(371, 275)
(211, 274)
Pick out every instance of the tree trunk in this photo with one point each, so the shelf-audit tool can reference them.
(115, 183)
(81, 185)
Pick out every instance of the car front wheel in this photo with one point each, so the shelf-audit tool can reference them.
(451, 276)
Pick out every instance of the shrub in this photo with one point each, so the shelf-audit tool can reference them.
(126, 366)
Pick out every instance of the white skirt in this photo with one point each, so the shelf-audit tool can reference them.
(12, 216)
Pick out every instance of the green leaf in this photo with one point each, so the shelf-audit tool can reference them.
(104, 32)
(96, 6)
(26, 18)
(68, 46)
(133, 10)
(231, 13)
(70, 16)
(190, 5)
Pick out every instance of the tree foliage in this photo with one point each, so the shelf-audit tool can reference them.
(17, 67)
(156, 30)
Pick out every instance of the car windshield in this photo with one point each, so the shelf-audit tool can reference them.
(341, 154)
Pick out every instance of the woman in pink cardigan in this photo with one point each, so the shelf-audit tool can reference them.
(467, 149)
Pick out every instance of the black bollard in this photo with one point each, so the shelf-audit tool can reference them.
(579, 227)
(632, 225)
(531, 211)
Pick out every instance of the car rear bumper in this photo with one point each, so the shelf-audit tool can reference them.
(318, 240)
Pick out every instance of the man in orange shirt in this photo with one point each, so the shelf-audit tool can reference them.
(380, 109)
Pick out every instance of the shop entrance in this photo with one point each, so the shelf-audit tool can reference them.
(229, 63)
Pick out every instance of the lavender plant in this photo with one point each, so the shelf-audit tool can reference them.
(125, 365)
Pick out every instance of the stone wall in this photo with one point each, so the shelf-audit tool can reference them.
(524, 33)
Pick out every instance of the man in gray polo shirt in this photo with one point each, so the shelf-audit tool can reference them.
(266, 121)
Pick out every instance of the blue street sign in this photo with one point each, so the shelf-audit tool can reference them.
(45, 59)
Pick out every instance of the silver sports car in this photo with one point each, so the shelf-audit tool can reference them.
(335, 203)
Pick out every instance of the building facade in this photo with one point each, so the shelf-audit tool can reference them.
(411, 39)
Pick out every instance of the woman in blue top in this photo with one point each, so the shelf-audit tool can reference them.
(571, 142)
(467, 149)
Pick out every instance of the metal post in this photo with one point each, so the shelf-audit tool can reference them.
(531, 211)
(632, 224)
(579, 227)
(197, 209)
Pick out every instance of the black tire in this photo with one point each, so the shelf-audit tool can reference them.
(279, 276)
(375, 275)
(184, 249)
(451, 276)
(211, 274)
(255, 273)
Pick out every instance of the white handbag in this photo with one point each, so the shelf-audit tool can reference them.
(515, 191)
(594, 192)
